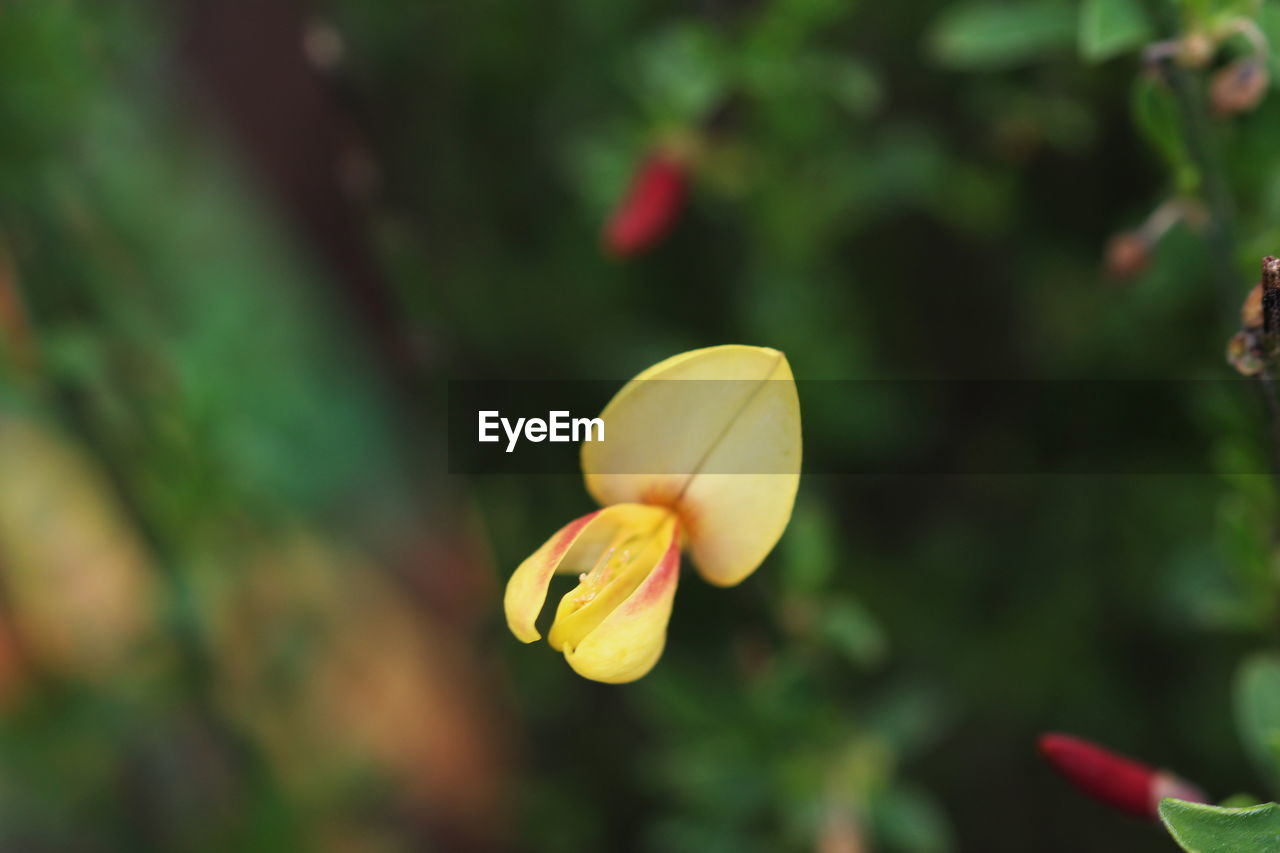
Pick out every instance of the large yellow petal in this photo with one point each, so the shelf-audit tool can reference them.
(574, 548)
(630, 639)
(722, 448)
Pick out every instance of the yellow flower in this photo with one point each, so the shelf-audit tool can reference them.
(711, 465)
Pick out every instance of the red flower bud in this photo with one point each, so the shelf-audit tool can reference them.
(649, 208)
(1122, 783)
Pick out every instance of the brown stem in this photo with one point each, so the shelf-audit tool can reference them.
(1270, 298)
(1267, 378)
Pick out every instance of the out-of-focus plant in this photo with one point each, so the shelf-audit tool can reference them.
(79, 585)
(215, 626)
(1205, 67)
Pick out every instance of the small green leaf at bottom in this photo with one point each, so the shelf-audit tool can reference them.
(1201, 828)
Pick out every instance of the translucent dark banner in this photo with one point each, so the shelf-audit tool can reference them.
(874, 427)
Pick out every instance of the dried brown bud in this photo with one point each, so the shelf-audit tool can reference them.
(1271, 273)
(1127, 255)
(1251, 310)
(1238, 86)
(1244, 355)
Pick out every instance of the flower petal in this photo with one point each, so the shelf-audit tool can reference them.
(724, 453)
(629, 641)
(619, 569)
(527, 588)
(573, 549)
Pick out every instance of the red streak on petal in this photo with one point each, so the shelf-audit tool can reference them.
(649, 208)
(666, 572)
(566, 537)
(1122, 783)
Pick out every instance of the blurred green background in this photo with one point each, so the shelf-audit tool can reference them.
(243, 245)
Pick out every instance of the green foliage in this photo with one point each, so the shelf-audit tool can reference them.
(993, 35)
(683, 73)
(1155, 110)
(1111, 27)
(850, 629)
(1209, 829)
(1257, 707)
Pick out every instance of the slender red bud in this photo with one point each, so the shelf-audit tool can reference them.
(649, 208)
(1122, 783)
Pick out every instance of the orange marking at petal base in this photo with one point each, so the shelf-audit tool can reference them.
(664, 495)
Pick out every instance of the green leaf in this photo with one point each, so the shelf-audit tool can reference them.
(988, 36)
(1110, 27)
(851, 83)
(908, 820)
(854, 632)
(1210, 829)
(1269, 20)
(810, 550)
(1155, 110)
(1257, 706)
(682, 73)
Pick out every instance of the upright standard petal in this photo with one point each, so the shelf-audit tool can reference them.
(715, 435)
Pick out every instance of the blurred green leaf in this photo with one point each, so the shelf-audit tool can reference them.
(1257, 706)
(1269, 20)
(851, 83)
(1202, 828)
(854, 632)
(809, 549)
(1216, 15)
(1110, 27)
(989, 36)
(1156, 113)
(1239, 801)
(908, 820)
(683, 73)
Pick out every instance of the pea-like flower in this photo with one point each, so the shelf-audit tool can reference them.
(701, 452)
